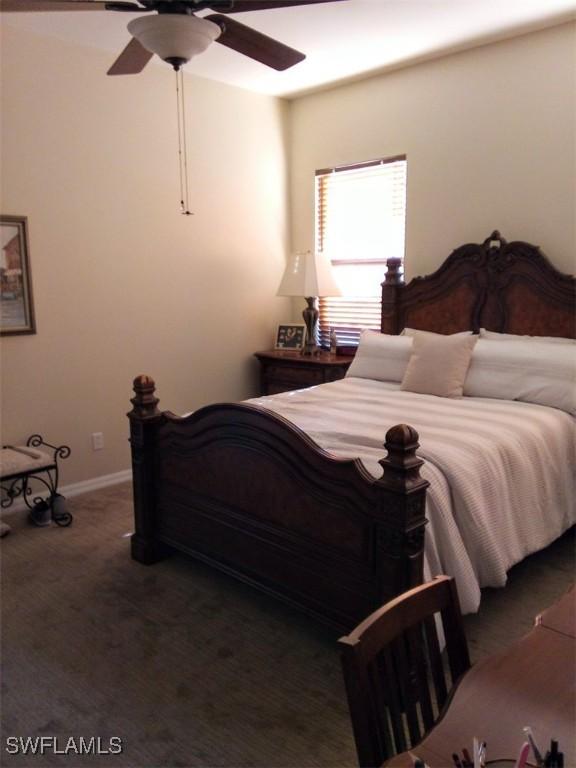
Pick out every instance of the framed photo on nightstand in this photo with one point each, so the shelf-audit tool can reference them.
(290, 336)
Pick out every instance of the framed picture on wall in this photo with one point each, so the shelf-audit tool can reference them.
(16, 307)
(290, 336)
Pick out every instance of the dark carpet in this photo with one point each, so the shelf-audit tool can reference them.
(186, 666)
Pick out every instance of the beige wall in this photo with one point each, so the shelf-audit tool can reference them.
(123, 284)
(490, 139)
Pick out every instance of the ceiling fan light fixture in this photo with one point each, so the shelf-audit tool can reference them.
(174, 37)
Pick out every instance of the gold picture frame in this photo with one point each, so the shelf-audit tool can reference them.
(16, 304)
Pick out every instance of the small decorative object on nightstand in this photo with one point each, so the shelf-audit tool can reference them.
(333, 342)
(309, 275)
(281, 371)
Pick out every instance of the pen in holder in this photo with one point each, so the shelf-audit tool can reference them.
(523, 756)
(554, 758)
(478, 759)
(537, 754)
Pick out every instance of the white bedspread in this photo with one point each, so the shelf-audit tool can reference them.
(501, 473)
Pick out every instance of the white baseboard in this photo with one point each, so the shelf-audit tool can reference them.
(76, 489)
(95, 483)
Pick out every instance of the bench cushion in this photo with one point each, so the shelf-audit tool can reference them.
(21, 459)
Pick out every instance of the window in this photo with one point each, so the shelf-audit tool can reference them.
(360, 222)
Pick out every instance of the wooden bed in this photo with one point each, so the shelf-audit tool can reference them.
(246, 491)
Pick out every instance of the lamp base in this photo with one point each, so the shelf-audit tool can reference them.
(310, 315)
(312, 349)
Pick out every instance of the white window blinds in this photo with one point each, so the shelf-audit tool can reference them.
(360, 222)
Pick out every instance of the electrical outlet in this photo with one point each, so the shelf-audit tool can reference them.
(97, 441)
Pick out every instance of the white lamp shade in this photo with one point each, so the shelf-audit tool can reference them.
(174, 35)
(308, 274)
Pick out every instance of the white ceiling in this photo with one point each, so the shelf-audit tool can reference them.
(342, 40)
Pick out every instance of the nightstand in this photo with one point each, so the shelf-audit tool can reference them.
(281, 371)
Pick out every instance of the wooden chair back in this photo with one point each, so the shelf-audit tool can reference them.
(394, 669)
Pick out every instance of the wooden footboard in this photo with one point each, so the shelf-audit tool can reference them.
(243, 489)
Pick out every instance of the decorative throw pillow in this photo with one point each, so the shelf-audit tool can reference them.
(381, 357)
(494, 336)
(438, 364)
(533, 371)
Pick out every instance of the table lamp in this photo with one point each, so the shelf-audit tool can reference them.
(309, 275)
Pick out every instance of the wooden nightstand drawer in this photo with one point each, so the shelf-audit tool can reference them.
(293, 374)
(337, 372)
(281, 371)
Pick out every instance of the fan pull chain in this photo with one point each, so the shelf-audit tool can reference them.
(182, 146)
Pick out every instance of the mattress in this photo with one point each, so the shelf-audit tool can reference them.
(501, 473)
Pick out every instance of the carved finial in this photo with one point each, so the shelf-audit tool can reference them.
(391, 290)
(394, 275)
(144, 400)
(495, 242)
(402, 465)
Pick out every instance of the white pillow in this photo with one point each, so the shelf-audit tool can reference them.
(438, 364)
(484, 334)
(414, 331)
(534, 372)
(381, 357)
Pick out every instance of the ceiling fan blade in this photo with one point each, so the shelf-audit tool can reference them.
(241, 6)
(254, 44)
(16, 6)
(132, 60)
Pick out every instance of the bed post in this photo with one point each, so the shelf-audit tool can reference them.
(400, 531)
(391, 288)
(144, 419)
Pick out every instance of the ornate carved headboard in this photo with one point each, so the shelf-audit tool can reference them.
(505, 287)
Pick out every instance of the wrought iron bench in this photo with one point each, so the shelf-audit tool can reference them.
(20, 465)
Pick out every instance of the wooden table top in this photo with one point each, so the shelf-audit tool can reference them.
(532, 682)
(561, 616)
(322, 358)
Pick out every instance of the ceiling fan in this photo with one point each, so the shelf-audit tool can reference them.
(176, 34)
